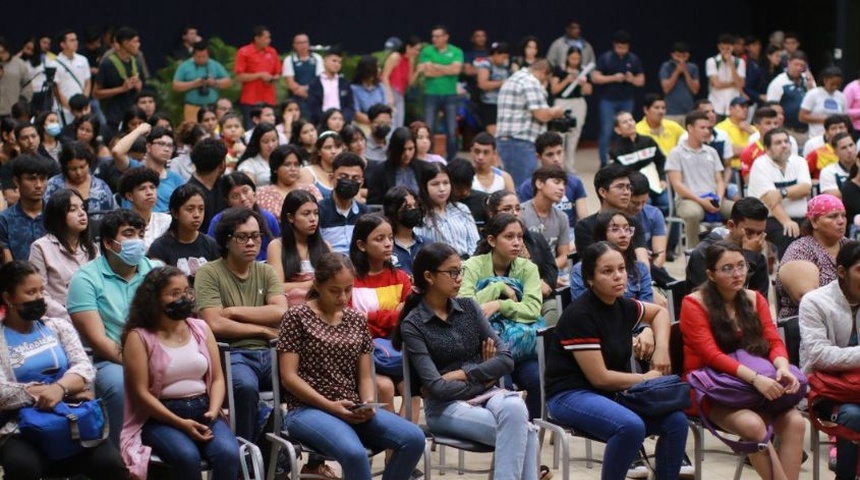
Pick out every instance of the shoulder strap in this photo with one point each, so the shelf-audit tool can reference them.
(66, 68)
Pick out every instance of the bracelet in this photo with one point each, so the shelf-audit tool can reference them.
(65, 390)
(641, 377)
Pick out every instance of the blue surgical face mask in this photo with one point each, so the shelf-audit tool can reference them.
(132, 251)
(53, 129)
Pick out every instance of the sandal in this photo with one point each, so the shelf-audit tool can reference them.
(545, 473)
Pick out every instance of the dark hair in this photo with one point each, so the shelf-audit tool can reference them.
(134, 177)
(13, 274)
(762, 113)
(41, 118)
(200, 46)
(393, 201)
(259, 30)
(349, 134)
(601, 224)
(123, 34)
(96, 126)
(428, 259)
(20, 126)
(495, 199)
(621, 36)
(364, 226)
(571, 51)
(651, 98)
(208, 155)
(32, 164)
(767, 139)
(439, 26)
(798, 55)
(546, 140)
(748, 208)
(378, 109)
(849, 254)
(54, 219)
(396, 146)
(257, 109)
(608, 174)
(426, 175)
(723, 327)
(113, 220)
(75, 150)
(157, 117)
(178, 198)
(232, 218)
(203, 111)
(277, 158)
(328, 265)
(290, 261)
(495, 226)
(638, 183)
(158, 132)
(839, 136)
(333, 51)
(147, 297)
(61, 36)
(253, 149)
(695, 116)
(410, 42)
(133, 113)
(461, 172)
(724, 38)
(681, 47)
(78, 102)
(702, 101)
(367, 69)
(830, 72)
(590, 257)
(296, 133)
(347, 159)
(321, 138)
(499, 47)
(838, 118)
(191, 133)
(227, 117)
(323, 126)
(521, 50)
(542, 174)
(485, 138)
(145, 93)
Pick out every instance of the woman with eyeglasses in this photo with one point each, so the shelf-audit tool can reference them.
(174, 384)
(459, 359)
(618, 229)
(721, 317)
(285, 164)
(241, 192)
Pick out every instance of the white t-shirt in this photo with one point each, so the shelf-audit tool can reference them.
(258, 169)
(832, 177)
(813, 144)
(158, 224)
(765, 176)
(818, 102)
(721, 97)
(756, 135)
(72, 75)
(288, 70)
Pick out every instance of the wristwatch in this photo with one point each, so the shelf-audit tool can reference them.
(784, 192)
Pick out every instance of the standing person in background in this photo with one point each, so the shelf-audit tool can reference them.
(619, 71)
(823, 101)
(14, 82)
(120, 77)
(398, 74)
(491, 74)
(726, 74)
(440, 63)
(526, 53)
(679, 79)
(569, 85)
(330, 89)
(559, 50)
(257, 68)
(755, 83)
(789, 88)
(200, 78)
(367, 90)
(73, 73)
(299, 68)
(852, 102)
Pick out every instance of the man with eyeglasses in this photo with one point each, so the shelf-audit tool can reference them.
(339, 212)
(159, 150)
(746, 227)
(243, 301)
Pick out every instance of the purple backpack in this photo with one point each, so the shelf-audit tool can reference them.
(729, 390)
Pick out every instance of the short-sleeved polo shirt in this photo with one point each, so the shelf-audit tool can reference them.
(445, 84)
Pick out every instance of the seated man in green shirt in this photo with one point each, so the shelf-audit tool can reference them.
(99, 295)
(243, 303)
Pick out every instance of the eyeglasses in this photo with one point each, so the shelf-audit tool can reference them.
(163, 144)
(244, 237)
(187, 293)
(732, 269)
(454, 273)
(511, 209)
(615, 229)
(624, 187)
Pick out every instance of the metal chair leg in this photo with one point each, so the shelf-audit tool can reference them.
(698, 453)
(815, 447)
(739, 468)
(589, 462)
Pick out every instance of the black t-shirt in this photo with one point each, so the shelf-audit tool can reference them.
(851, 199)
(108, 77)
(214, 201)
(188, 257)
(561, 73)
(476, 201)
(583, 233)
(590, 324)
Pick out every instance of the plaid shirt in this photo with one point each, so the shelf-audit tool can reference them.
(519, 95)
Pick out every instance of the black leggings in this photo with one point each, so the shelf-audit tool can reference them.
(21, 460)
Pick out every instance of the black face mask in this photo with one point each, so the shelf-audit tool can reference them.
(346, 188)
(179, 309)
(381, 131)
(410, 218)
(33, 310)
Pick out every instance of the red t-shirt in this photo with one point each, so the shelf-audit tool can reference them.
(251, 60)
(399, 77)
(749, 155)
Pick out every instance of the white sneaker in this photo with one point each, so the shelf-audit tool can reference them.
(638, 469)
(687, 469)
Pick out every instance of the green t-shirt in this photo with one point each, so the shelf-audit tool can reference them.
(446, 84)
(188, 71)
(216, 286)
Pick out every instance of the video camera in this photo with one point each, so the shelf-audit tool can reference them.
(563, 124)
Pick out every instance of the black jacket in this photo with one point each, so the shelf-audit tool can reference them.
(380, 177)
(315, 99)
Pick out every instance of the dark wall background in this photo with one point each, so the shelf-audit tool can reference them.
(362, 26)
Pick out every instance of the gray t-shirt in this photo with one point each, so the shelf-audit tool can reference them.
(554, 228)
(697, 167)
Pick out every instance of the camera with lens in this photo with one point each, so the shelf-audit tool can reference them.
(563, 124)
(50, 72)
(203, 90)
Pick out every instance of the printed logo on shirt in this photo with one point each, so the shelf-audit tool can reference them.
(831, 104)
(20, 353)
(639, 155)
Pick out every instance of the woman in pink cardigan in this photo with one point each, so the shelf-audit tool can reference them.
(174, 385)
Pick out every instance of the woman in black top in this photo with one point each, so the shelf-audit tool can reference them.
(588, 362)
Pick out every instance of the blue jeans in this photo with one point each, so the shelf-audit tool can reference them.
(346, 443)
(503, 422)
(110, 387)
(182, 453)
(846, 451)
(247, 124)
(526, 376)
(447, 103)
(252, 373)
(623, 431)
(608, 109)
(518, 157)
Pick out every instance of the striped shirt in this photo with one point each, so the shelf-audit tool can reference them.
(456, 228)
(519, 96)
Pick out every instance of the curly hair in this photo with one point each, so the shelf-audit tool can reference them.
(148, 297)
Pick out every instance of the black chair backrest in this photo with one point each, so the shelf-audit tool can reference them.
(791, 330)
(678, 290)
(546, 337)
(676, 349)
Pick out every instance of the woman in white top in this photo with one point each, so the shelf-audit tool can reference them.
(255, 161)
(320, 171)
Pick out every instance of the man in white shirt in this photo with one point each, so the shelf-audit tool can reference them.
(782, 181)
(823, 101)
(73, 72)
(299, 68)
(726, 74)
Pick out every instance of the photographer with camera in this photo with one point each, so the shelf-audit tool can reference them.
(523, 113)
(200, 78)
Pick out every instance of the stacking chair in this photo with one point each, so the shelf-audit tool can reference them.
(435, 441)
(675, 293)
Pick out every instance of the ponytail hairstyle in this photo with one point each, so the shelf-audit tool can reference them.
(328, 265)
(722, 327)
(428, 259)
(495, 227)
